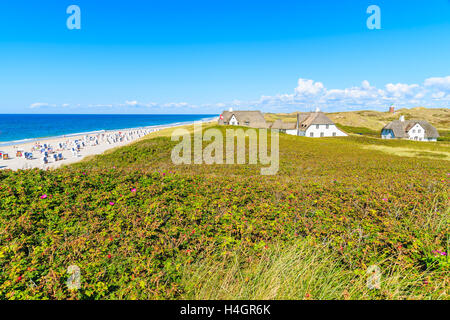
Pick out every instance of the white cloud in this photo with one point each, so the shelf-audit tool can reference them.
(401, 89)
(131, 103)
(37, 105)
(309, 94)
(308, 87)
(442, 84)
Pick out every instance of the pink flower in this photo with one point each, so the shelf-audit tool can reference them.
(43, 196)
(111, 203)
(442, 253)
(385, 199)
(133, 190)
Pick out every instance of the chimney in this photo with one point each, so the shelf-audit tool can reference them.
(317, 109)
(298, 124)
(231, 110)
(402, 118)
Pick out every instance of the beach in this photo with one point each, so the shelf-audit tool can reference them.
(53, 152)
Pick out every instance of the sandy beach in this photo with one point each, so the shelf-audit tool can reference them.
(53, 152)
(66, 149)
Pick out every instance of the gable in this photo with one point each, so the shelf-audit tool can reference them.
(402, 128)
(251, 118)
(416, 126)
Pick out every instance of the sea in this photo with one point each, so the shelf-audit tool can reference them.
(22, 128)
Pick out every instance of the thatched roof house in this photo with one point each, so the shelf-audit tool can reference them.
(254, 119)
(309, 124)
(419, 130)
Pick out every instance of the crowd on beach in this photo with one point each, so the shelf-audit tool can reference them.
(58, 150)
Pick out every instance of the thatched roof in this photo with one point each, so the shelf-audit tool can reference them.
(305, 119)
(313, 118)
(401, 128)
(255, 119)
(280, 125)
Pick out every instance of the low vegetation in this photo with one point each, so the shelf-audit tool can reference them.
(140, 227)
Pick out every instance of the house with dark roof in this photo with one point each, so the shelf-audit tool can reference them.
(310, 124)
(253, 119)
(419, 130)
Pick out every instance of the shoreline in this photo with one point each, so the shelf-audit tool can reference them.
(75, 147)
(76, 134)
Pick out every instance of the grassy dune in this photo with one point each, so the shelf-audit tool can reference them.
(140, 227)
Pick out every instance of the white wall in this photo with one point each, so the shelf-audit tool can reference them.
(316, 130)
(233, 121)
(293, 132)
(417, 133)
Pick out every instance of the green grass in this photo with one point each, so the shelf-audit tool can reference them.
(305, 270)
(444, 135)
(359, 130)
(140, 227)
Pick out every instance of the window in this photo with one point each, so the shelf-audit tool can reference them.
(317, 126)
(247, 123)
(414, 131)
(322, 134)
(419, 131)
(311, 134)
(328, 126)
(334, 134)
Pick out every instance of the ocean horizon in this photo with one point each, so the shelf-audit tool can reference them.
(21, 128)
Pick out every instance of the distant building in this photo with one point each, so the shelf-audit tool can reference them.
(310, 124)
(391, 109)
(254, 119)
(419, 130)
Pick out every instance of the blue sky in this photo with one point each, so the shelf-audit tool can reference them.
(203, 56)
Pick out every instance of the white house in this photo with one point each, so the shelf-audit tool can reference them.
(419, 130)
(310, 124)
(254, 119)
